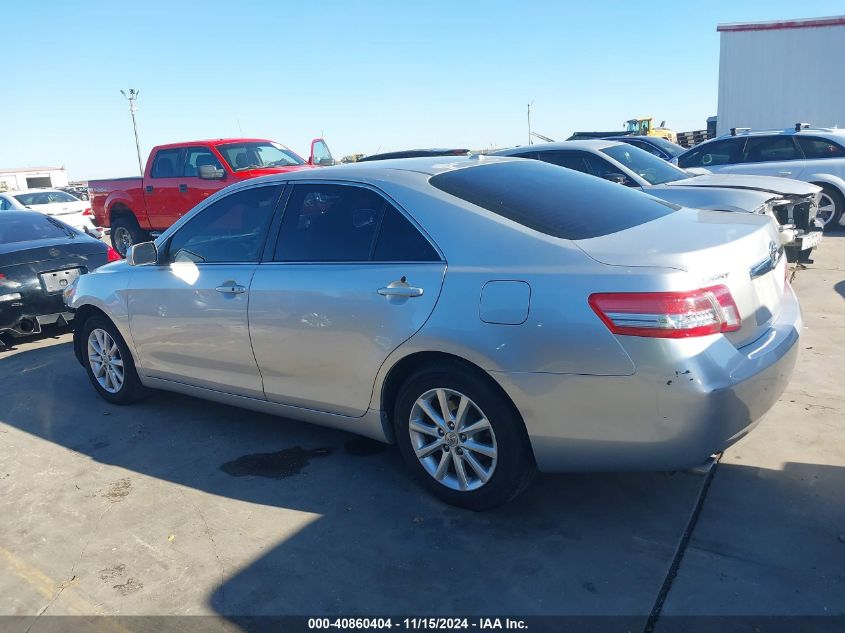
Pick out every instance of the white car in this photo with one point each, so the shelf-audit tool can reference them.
(815, 155)
(70, 210)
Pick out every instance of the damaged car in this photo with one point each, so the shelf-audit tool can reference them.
(793, 204)
(39, 257)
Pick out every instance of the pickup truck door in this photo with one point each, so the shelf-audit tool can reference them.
(188, 313)
(164, 202)
(321, 155)
(348, 280)
(192, 188)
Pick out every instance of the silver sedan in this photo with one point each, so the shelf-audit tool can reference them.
(491, 316)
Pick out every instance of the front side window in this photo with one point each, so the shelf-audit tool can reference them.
(762, 149)
(232, 230)
(258, 155)
(714, 153)
(814, 147)
(165, 164)
(329, 223)
(196, 157)
(570, 160)
(653, 170)
(45, 197)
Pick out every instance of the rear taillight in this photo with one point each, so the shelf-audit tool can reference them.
(113, 255)
(668, 314)
(88, 211)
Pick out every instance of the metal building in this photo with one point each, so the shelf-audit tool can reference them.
(32, 177)
(775, 74)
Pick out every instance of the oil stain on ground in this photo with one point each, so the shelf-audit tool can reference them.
(278, 465)
(364, 446)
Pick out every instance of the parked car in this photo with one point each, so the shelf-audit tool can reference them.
(469, 310)
(815, 155)
(414, 153)
(660, 147)
(39, 257)
(67, 208)
(792, 204)
(76, 191)
(179, 176)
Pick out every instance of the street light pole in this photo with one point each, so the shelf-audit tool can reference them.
(131, 98)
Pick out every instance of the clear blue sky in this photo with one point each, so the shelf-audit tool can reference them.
(370, 76)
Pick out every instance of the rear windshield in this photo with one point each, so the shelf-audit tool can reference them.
(552, 200)
(26, 227)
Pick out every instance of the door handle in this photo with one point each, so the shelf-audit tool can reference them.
(400, 291)
(231, 289)
(183, 188)
(149, 188)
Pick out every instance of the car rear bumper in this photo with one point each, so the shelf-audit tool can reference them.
(704, 395)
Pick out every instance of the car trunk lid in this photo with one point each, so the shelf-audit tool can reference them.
(737, 250)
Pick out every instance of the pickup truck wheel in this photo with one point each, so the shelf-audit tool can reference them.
(125, 232)
(831, 205)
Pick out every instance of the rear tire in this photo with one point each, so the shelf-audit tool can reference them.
(489, 464)
(831, 196)
(125, 232)
(109, 363)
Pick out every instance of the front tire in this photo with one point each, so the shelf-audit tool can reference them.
(462, 438)
(109, 363)
(125, 232)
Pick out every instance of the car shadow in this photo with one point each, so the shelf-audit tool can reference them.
(376, 543)
(54, 332)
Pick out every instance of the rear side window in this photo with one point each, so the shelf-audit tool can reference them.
(401, 241)
(763, 149)
(329, 223)
(557, 202)
(722, 152)
(820, 147)
(165, 164)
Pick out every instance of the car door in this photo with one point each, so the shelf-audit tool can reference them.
(349, 278)
(770, 155)
(188, 314)
(715, 156)
(161, 190)
(192, 188)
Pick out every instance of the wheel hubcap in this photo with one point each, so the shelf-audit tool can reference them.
(826, 209)
(105, 360)
(453, 439)
(122, 240)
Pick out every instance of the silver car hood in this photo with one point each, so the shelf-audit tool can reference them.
(769, 184)
(712, 198)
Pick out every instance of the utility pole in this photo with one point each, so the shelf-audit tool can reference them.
(530, 140)
(131, 98)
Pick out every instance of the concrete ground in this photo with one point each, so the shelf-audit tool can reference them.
(177, 506)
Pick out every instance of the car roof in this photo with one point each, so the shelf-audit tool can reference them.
(11, 214)
(593, 145)
(390, 168)
(217, 141)
(44, 190)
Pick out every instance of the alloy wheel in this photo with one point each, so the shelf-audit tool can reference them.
(827, 209)
(122, 240)
(105, 360)
(453, 439)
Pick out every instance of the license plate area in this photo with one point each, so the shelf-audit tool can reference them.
(58, 280)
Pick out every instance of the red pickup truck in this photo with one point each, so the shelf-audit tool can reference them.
(179, 176)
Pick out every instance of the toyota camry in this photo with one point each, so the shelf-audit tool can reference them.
(491, 316)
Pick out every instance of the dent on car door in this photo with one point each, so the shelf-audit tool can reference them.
(188, 313)
(350, 279)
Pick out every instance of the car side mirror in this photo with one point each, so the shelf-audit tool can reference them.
(326, 162)
(620, 179)
(210, 172)
(142, 254)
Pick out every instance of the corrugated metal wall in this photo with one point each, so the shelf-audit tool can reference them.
(775, 78)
